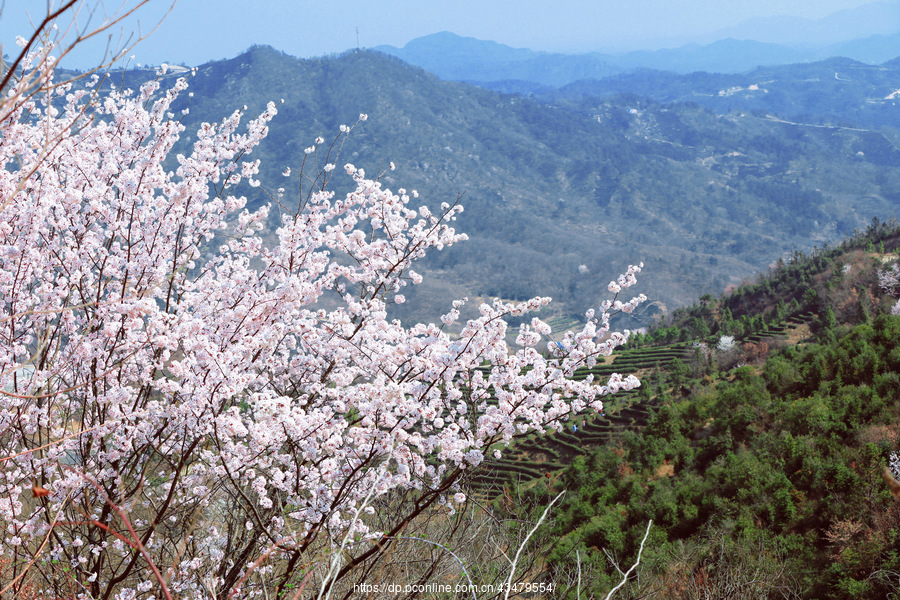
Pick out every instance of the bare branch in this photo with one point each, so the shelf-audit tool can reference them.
(634, 566)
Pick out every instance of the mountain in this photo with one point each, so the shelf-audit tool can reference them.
(873, 49)
(833, 91)
(458, 58)
(703, 199)
(876, 18)
(728, 55)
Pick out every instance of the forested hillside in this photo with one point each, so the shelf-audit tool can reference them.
(761, 455)
(704, 199)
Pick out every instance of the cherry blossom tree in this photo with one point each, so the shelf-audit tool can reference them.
(889, 280)
(188, 411)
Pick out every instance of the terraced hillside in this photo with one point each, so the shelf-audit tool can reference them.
(538, 456)
(541, 456)
(777, 436)
(780, 329)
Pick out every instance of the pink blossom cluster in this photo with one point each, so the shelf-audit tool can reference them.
(156, 355)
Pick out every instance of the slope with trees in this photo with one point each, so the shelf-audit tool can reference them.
(762, 472)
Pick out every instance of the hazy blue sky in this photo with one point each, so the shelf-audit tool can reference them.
(200, 30)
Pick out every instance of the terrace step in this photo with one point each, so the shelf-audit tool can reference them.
(628, 412)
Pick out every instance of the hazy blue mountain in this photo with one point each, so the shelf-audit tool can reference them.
(448, 51)
(458, 58)
(703, 199)
(874, 50)
(723, 56)
(876, 18)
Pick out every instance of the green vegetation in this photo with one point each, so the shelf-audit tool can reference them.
(761, 471)
(792, 457)
(828, 285)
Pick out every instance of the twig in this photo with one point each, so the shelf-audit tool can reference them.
(458, 559)
(578, 585)
(134, 536)
(636, 563)
(512, 570)
(37, 552)
(336, 559)
(48, 444)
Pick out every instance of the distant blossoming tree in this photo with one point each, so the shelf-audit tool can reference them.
(726, 343)
(184, 405)
(889, 280)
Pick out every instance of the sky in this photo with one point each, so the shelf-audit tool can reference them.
(197, 31)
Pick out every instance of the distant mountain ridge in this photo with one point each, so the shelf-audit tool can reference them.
(457, 58)
(867, 20)
(453, 57)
